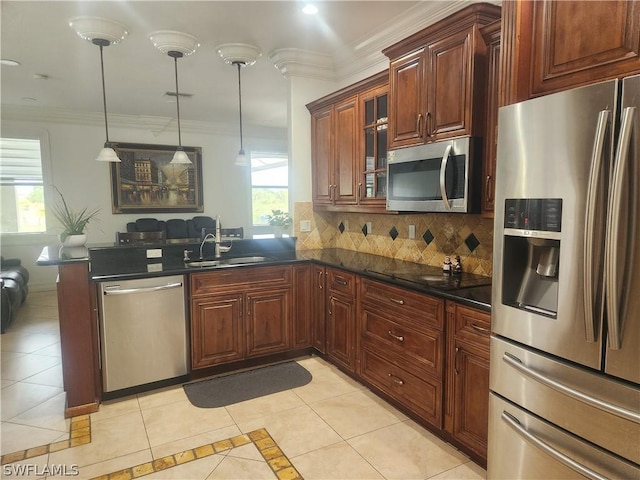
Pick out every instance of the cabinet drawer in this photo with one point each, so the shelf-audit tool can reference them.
(231, 278)
(473, 325)
(341, 281)
(419, 350)
(422, 396)
(405, 303)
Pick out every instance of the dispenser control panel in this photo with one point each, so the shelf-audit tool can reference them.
(543, 214)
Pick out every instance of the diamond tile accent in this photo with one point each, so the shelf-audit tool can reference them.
(341, 227)
(364, 229)
(472, 242)
(393, 233)
(428, 237)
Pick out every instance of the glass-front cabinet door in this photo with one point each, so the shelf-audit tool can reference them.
(372, 186)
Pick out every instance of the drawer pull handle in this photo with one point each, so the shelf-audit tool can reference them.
(480, 329)
(395, 379)
(395, 300)
(400, 338)
(341, 281)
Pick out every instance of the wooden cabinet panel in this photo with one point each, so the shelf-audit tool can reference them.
(422, 395)
(471, 402)
(403, 303)
(552, 46)
(407, 98)
(216, 330)
(491, 35)
(420, 349)
(346, 152)
(467, 390)
(339, 281)
(450, 95)
(318, 308)
(321, 146)
(267, 321)
(302, 300)
(231, 279)
(341, 331)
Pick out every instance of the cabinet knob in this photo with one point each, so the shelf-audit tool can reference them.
(395, 300)
(400, 338)
(395, 379)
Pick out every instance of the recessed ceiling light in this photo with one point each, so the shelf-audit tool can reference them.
(309, 9)
(10, 63)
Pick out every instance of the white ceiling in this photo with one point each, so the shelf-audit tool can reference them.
(36, 33)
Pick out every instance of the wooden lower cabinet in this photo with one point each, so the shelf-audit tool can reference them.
(467, 405)
(318, 309)
(235, 316)
(341, 318)
(302, 306)
(402, 347)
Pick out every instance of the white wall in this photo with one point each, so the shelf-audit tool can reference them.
(84, 182)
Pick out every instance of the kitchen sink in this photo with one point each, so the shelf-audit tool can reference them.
(226, 262)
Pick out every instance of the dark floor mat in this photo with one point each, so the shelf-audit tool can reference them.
(238, 387)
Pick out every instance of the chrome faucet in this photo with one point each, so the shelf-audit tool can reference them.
(219, 248)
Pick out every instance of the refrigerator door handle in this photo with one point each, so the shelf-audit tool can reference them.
(443, 171)
(590, 262)
(545, 447)
(617, 297)
(516, 363)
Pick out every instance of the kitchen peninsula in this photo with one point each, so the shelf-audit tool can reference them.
(334, 302)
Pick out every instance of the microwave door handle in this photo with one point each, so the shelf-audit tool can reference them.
(592, 223)
(443, 171)
(617, 296)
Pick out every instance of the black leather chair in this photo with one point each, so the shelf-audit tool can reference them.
(177, 228)
(147, 225)
(14, 279)
(197, 223)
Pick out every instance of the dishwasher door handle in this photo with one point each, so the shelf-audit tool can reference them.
(118, 291)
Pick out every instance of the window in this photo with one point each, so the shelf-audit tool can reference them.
(269, 185)
(22, 191)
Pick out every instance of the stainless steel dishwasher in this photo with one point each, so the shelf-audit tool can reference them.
(143, 331)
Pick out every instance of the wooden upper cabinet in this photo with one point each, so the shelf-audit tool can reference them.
(321, 139)
(406, 81)
(342, 179)
(437, 79)
(559, 45)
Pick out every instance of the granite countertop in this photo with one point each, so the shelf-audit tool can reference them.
(111, 262)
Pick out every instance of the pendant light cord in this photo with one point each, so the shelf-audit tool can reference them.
(175, 60)
(104, 95)
(239, 65)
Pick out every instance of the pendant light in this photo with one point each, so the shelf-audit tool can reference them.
(176, 45)
(101, 32)
(239, 55)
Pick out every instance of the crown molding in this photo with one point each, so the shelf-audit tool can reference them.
(304, 63)
(156, 125)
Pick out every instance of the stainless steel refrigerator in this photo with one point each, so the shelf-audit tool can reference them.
(565, 346)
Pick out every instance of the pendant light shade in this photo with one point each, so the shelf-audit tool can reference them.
(176, 45)
(101, 32)
(239, 55)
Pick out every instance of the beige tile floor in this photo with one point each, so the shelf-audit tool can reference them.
(332, 428)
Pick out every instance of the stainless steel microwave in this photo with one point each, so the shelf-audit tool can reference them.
(435, 177)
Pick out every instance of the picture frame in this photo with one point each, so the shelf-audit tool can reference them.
(145, 181)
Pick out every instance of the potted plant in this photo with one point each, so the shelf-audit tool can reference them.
(280, 221)
(73, 222)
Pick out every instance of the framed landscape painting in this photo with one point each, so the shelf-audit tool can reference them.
(145, 181)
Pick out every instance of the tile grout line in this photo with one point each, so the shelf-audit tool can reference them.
(275, 458)
(79, 434)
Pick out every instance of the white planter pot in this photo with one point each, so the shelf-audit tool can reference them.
(74, 240)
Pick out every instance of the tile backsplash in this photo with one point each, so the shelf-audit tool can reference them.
(436, 236)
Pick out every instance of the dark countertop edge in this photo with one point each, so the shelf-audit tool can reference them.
(462, 295)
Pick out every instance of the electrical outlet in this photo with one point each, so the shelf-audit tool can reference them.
(412, 232)
(305, 225)
(154, 253)
(369, 227)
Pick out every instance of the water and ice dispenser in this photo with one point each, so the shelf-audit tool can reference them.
(532, 254)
